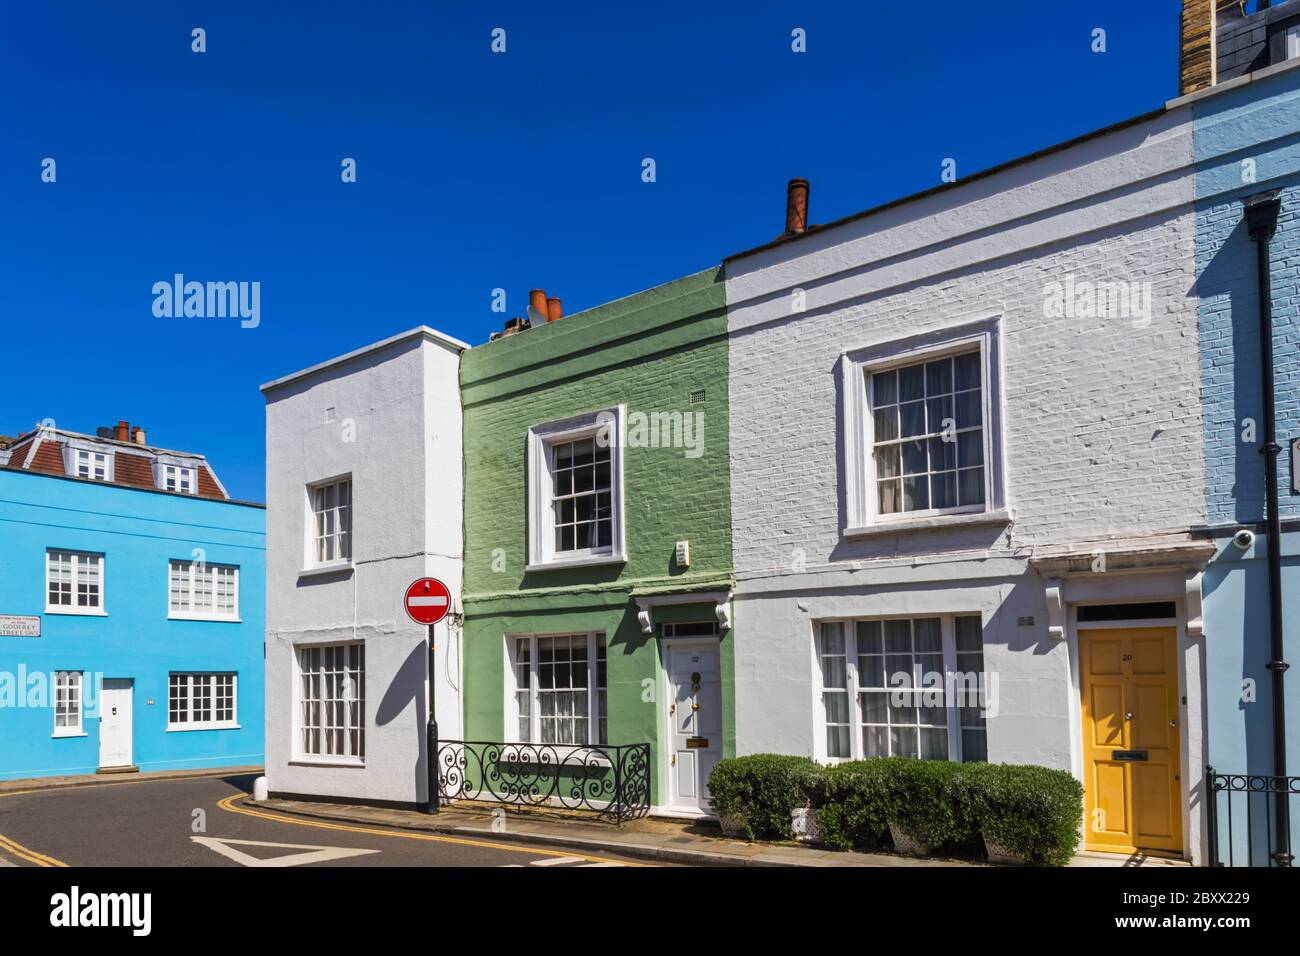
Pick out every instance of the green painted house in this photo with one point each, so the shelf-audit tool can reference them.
(598, 540)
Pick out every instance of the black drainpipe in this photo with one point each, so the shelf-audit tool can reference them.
(1261, 222)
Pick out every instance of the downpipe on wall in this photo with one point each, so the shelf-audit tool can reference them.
(1261, 212)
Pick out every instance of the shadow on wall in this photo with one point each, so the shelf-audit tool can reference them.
(1027, 597)
(406, 687)
(1233, 273)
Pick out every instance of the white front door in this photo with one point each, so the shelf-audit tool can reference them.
(115, 722)
(694, 679)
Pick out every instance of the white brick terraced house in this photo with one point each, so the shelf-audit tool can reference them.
(967, 446)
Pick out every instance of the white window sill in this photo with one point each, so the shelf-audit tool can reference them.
(556, 564)
(334, 567)
(929, 523)
(177, 616)
(68, 733)
(77, 611)
(182, 728)
(327, 762)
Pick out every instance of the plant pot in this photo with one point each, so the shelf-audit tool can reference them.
(803, 820)
(907, 844)
(1001, 856)
(732, 826)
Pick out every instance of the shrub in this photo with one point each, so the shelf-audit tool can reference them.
(763, 789)
(854, 805)
(1031, 811)
(923, 800)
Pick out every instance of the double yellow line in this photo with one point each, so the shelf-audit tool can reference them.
(17, 849)
(229, 804)
(23, 853)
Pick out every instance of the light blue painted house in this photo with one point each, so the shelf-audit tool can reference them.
(1247, 150)
(131, 609)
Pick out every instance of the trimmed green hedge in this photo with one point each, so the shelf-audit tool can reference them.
(855, 812)
(1030, 811)
(763, 789)
(1033, 812)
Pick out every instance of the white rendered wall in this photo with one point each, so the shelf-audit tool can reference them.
(396, 430)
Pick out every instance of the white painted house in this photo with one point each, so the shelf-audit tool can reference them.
(966, 437)
(364, 492)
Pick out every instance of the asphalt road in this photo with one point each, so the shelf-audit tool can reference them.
(202, 821)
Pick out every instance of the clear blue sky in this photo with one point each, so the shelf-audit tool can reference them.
(475, 170)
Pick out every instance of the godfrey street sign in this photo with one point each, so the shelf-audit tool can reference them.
(16, 625)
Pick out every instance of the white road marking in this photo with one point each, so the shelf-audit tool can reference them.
(558, 861)
(314, 854)
(565, 861)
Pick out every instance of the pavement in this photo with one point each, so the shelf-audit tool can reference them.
(697, 843)
(193, 819)
(32, 784)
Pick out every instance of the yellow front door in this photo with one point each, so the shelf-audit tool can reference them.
(1129, 686)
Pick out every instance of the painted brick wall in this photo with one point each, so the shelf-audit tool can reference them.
(1247, 140)
(1103, 425)
(1229, 306)
(668, 496)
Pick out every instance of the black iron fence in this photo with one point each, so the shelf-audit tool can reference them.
(1251, 818)
(611, 780)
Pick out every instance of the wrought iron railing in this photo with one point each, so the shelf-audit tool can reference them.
(1251, 818)
(611, 780)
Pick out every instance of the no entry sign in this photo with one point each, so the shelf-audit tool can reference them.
(427, 601)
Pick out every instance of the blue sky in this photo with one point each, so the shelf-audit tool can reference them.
(475, 170)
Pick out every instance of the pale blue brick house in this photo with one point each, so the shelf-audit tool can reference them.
(1246, 138)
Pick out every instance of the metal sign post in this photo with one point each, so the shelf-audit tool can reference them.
(427, 602)
(433, 727)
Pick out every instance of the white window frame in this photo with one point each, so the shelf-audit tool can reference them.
(596, 643)
(94, 460)
(75, 691)
(947, 627)
(1293, 42)
(857, 423)
(310, 561)
(185, 478)
(604, 425)
(193, 570)
(300, 753)
(211, 679)
(78, 558)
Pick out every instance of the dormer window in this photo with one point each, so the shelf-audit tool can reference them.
(94, 465)
(178, 478)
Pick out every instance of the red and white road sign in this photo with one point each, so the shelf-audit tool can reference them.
(427, 601)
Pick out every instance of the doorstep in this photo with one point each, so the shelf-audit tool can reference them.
(655, 839)
(1138, 858)
(29, 784)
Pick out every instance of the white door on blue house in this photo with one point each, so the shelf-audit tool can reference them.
(694, 679)
(115, 743)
